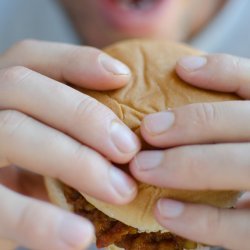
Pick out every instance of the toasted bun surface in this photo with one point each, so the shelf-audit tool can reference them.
(200, 247)
(154, 86)
(56, 194)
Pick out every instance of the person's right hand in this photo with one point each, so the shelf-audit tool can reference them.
(51, 129)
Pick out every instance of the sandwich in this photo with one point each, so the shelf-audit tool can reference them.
(153, 87)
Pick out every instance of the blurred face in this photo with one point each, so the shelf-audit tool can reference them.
(101, 22)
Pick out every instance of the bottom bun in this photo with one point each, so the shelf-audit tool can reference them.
(56, 195)
(200, 247)
(112, 247)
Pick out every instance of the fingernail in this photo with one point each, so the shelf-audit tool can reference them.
(170, 208)
(149, 160)
(76, 232)
(158, 123)
(124, 139)
(121, 183)
(114, 66)
(192, 63)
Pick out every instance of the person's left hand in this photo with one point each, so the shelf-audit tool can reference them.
(210, 149)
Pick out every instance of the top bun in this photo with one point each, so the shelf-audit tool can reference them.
(154, 86)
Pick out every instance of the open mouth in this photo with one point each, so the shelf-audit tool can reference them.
(135, 4)
(134, 17)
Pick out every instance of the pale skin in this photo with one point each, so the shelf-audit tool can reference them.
(44, 128)
(220, 163)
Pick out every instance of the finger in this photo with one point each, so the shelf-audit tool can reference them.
(46, 151)
(217, 72)
(213, 167)
(80, 65)
(227, 228)
(199, 123)
(67, 110)
(243, 201)
(38, 225)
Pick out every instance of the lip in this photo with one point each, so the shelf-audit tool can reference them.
(133, 21)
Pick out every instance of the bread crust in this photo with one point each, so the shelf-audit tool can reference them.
(200, 247)
(153, 87)
(56, 194)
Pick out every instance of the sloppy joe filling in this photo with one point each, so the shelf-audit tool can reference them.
(110, 231)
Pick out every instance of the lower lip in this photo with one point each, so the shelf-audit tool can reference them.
(133, 21)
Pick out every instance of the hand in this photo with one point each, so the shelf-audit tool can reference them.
(49, 128)
(210, 145)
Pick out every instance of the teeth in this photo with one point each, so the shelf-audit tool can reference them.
(136, 4)
(125, 4)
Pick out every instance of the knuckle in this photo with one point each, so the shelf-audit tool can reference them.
(77, 51)
(14, 74)
(204, 114)
(71, 56)
(85, 106)
(79, 157)
(189, 164)
(88, 106)
(56, 88)
(237, 63)
(92, 52)
(193, 163)
(225, 58)
(11, 121)
(74, 55)
(56, 141)
(214, 221)
(222, 58)
(230, 64)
